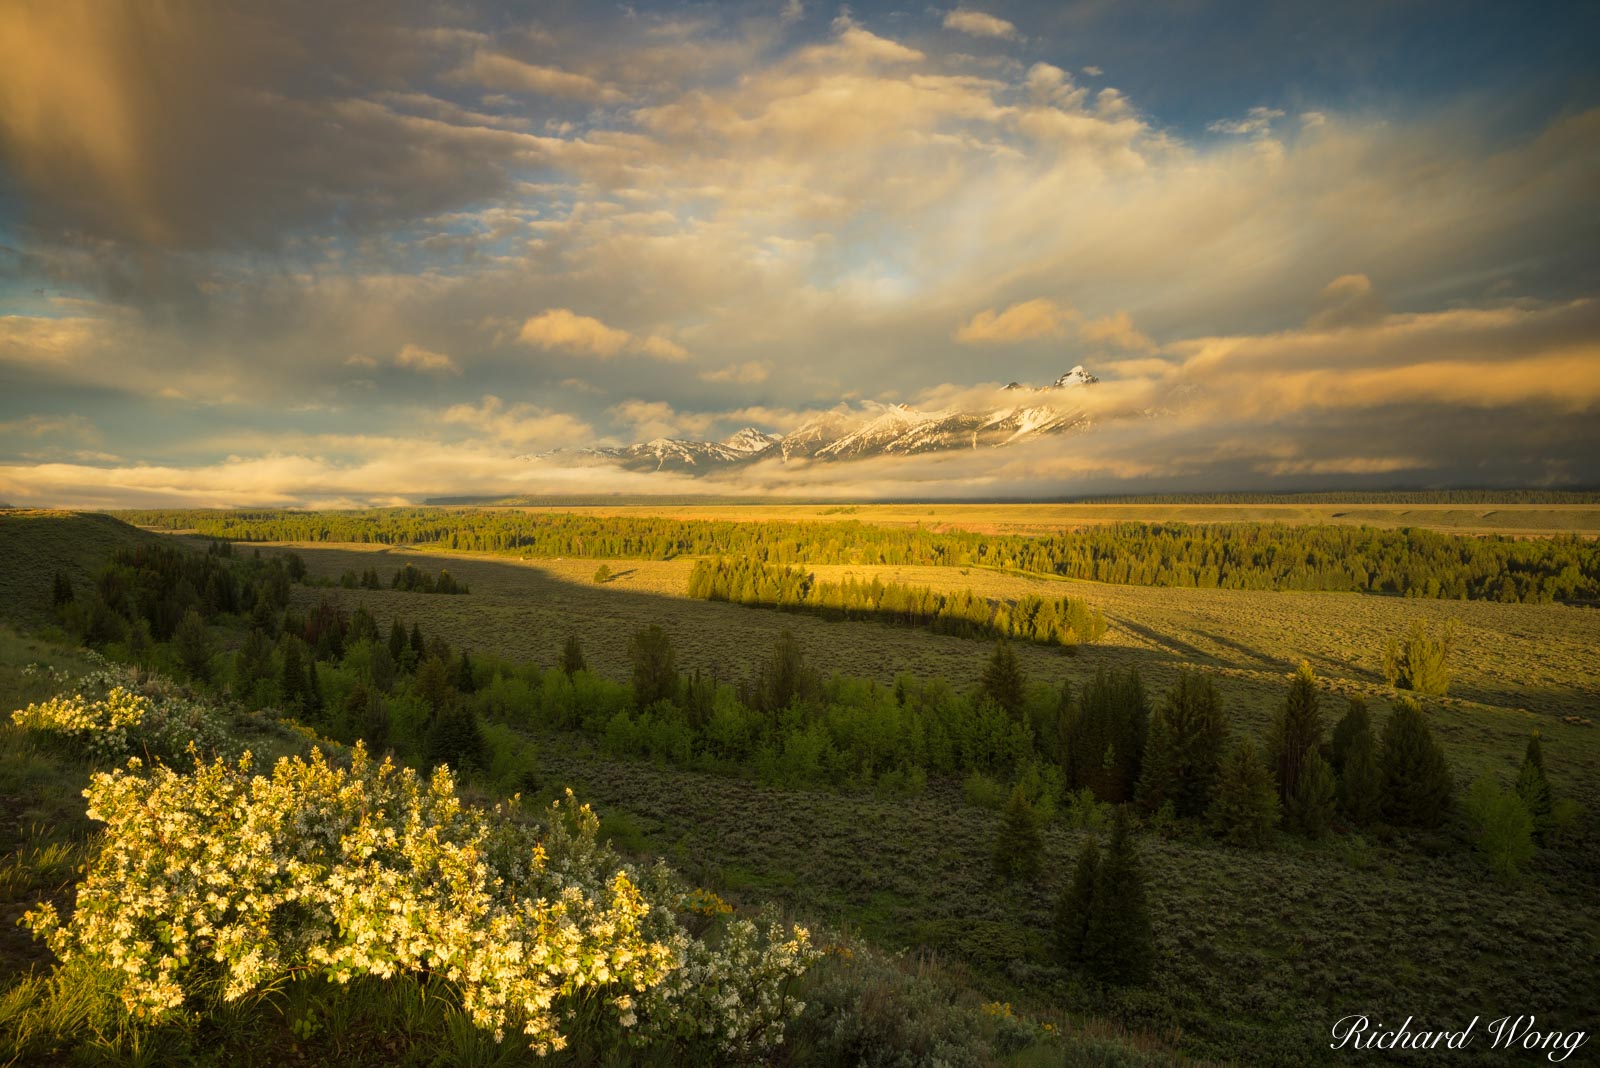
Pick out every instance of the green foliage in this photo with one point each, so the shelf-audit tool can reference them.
(785, 676)
(1534, 789)
(1248, 556)
(412, 579)
(1416, 780)
(602, 574)
(1118, 945)
(751, 581)
(1502, 827)
(1017, 846)
(1310, 810)
(1002, 680)
(1105, 738)
(1360, 778)
(456, 738)
(572, 660)
(193, 643)
(1245, 808)
(1297, 732)
(1183, 753)
(1076, 902)
(1420, 662)
(655, 670)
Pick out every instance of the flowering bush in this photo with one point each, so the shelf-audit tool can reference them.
(227, 875)
(101, 726)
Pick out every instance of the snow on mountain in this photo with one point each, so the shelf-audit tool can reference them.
(846, 433)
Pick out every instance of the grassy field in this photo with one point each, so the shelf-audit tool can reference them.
(1519, 666)
(1533, 520)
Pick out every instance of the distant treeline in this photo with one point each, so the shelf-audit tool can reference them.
(1250, 556)
(410, 579)
(1061, 621)
(1441, 496)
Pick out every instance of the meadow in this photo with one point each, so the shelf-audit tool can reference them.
(1258, 950)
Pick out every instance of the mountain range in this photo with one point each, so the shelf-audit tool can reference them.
(872, 429)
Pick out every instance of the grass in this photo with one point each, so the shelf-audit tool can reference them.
(35, 544)
(1518, 667)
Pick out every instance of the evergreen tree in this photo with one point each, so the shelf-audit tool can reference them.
(655, 671)
(784, 676)
(455, 738)
(1355, 720)
(1183, 749)
(1075, 902)
(1534, 790)
(602, 574)
(397, 642)
(292, 677)
(1310, 811)
(1245, 808)
(1416, 779)
(1360, 779)
(1105, 739)
(1017, 846)
(572, 657)
(1420, 662)
(192, 640)
(434, 687)
(1002, 679)
(252, 664)
(419, 648)
(1297, 733)
(314, 704)
(61, 593)
(1119, 947)
(465, 682)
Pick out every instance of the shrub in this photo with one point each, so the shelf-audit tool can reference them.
(1501, 825)
(1420, 662)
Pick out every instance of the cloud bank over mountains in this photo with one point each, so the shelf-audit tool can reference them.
(301, 255)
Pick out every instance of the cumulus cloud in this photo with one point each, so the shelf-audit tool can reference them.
(519, 424)
(1040, 317)
(979, 24)
(1257, 122)
(426, 361)
(561, 329)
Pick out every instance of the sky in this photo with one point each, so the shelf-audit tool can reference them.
(304, 254)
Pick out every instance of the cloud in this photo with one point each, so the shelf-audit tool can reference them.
(417, 358)
(657, 419)
(1045, 318)
(519, 425)
(749, 373)
(1256, 123)
(495, 71)
(1348, 300)
(979, 24)
(1030, 319)
(560, 329)
(358, 360)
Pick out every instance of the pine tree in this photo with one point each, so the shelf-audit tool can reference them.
(455, 738)
(1003, 681)
(1297, 733)
(1158, 779)
(193, 642)
(1187, 755)
(292, 678)
(314, 704)
(1246, 807)
(572, 660)
(1534, 789)
(1074, 903)
(1416, 779)
(1355, 720)
(397, 641)
(419, 648)
(1017, 846)
(1360, 779)
(465, 681)
(1119, 947)
(655, 672)
(61, 593)
(1310, 811)
(1105, 739)
(784, 676)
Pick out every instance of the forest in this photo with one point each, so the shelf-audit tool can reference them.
(1245, 556)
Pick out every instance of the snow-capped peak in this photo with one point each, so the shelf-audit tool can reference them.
(750, 440)
(1075, 377)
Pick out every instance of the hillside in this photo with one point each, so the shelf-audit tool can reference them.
(35, 544)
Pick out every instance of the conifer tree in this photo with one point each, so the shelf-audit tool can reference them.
(1534, 789)
(784, 676)
(1105, 739)
(1416, 780)
(292, 677)
(314, 704)
(1074, 903)
(61, 592)
(1297, 733)
(1188, 752)
(1119, 947)
(1360, 779)
(397, 641)
(1355, 720)
(465, 681)
(1158, 779)
(1017, 846)
(419, 648)
(193, 642)
(572, 660)
(1245, 808)
(655, 672)
(1310, 811)
(1002, 679)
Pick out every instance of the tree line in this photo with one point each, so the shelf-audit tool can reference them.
(1060, 621)
(1261, 556)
